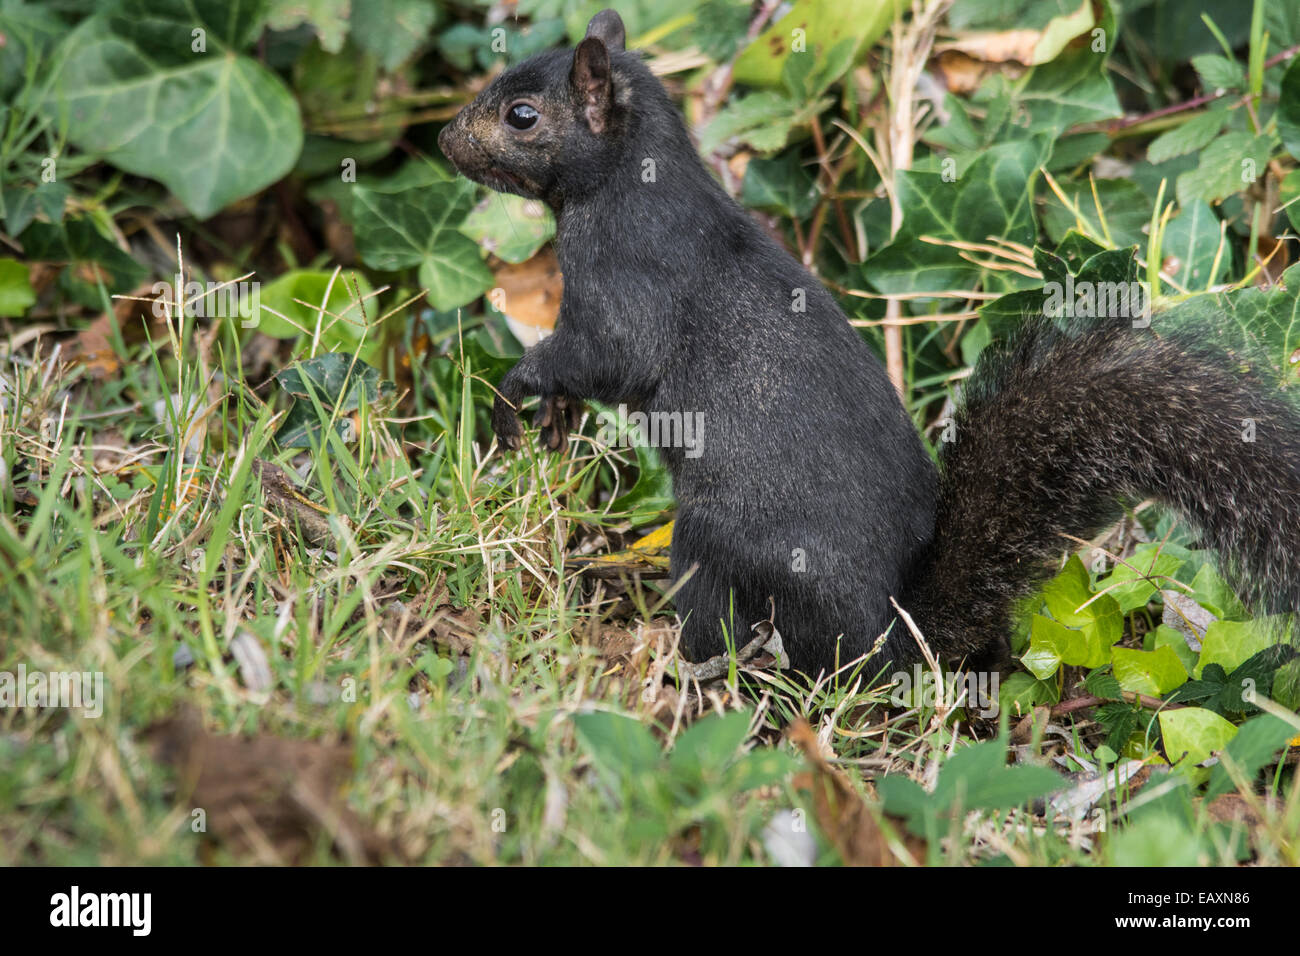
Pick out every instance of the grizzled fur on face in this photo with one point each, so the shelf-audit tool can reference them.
(809, 492)
(556, 124)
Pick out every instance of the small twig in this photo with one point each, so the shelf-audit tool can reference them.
(831, 178)
(1092, 700)
(1114, 126)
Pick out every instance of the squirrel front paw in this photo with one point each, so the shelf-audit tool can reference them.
(556, 417)
(505, 422)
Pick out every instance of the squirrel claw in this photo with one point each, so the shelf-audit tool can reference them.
(556, 417)
(505, 423)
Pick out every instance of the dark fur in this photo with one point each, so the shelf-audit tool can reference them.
(1057, 429)
(676, 301)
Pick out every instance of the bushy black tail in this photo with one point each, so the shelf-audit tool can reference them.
(1057, 429)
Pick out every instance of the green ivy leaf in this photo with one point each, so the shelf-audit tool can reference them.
(1076, 250)
(1264, 318)
(1256, 743)
(213, 128)
(1052, 644)
(78, 240)
(30, 30)
(782, 185)
(1131, 584)
(422, 227)
(989, 201)
(1021, 693)
(1070, 600)
(510, 227)
(807, 77)
(1192, 240)
(337, 381)
(22, 204)
(392, 29)
(1126, 209)
(824, 23)
(328, 18)
(1148, 672)
(167, 26)
(1231, 643)
(1074, 88)
(1173, 639)
(16, 292)
(342, 323)
(1192, 734)
(1215, 595)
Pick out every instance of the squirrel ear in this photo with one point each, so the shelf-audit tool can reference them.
(592, 84)
(607, 27)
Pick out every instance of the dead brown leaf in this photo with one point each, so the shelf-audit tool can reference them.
(1018, 45)
(93, 346)
(961, 73)
(843, 816)
(530, 294)
(284, 498)
(266, 797)
(447, 624)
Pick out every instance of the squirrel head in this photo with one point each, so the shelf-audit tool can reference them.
(552, 124)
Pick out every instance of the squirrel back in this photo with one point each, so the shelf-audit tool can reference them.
(810, 492)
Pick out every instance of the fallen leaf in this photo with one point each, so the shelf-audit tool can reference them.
(1089, 788)
(1029, 46)
(529, 294)
(647, 556)
(284, 498)
(265, 796)
(844, 817)
(93, 346)
(961, 73)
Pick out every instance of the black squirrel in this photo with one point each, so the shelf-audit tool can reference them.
(812, 491)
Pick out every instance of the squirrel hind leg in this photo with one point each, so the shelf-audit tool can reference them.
(712, 615)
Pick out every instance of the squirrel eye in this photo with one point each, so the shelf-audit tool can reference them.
(521, 116)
